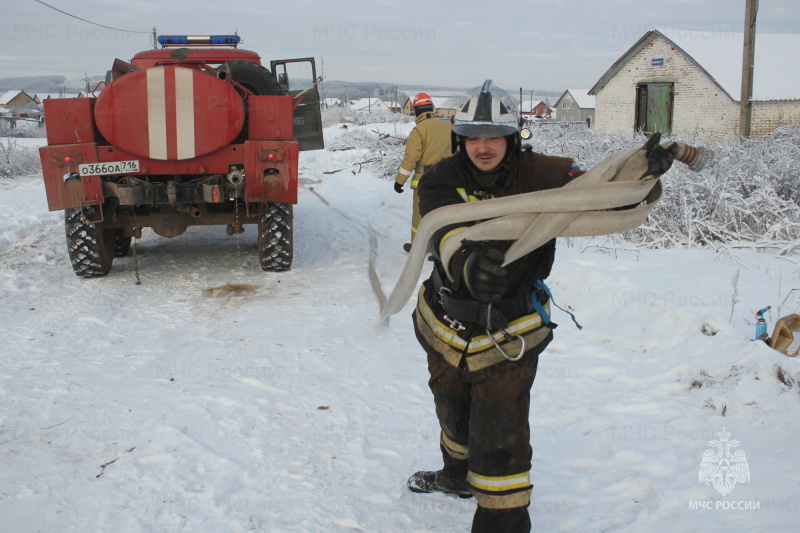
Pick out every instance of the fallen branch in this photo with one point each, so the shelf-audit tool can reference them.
(103, 467)
(64, 422)
(382, 136)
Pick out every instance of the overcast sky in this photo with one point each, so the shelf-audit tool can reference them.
(546, 45)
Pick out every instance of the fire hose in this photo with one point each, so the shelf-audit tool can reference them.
(584, 207)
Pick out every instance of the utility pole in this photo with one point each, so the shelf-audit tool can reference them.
(748, 60)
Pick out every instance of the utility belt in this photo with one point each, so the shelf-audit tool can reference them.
(492, 316)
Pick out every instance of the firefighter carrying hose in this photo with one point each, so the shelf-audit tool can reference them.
(484, 330)
(427, 143)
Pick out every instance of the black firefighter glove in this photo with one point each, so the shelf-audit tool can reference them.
(398, 187)
(659, 159)
(480, 268)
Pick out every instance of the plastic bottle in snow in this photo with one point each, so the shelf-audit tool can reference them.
(761, 325)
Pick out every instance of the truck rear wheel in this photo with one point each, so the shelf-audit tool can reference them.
(90, 245)
(275, 238)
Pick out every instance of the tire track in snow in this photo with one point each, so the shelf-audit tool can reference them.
(374, 281)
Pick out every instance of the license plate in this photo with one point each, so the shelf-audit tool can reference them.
(107, 169)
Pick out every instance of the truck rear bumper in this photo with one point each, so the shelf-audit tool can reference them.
(269, 168)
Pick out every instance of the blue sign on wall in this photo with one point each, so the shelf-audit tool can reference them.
(657, 62)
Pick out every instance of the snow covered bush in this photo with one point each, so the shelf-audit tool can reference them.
(344, 115)
(378, 148)
(379, 151)
(748, 193)
(21, 127)
(17, 160)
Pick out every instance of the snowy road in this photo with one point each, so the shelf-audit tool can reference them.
(216, 397)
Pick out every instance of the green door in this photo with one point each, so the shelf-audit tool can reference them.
(298, 78)
(654, 108)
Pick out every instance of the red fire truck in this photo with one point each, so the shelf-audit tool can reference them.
(197, 132)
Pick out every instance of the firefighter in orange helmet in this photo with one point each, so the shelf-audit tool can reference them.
(427, 143)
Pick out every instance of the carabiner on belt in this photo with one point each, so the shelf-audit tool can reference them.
(508, 337)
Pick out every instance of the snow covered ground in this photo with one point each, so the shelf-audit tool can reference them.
(216, 397)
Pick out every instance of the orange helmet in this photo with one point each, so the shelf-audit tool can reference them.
(422, 99)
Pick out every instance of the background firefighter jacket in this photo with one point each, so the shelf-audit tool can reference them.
(427, 143)
(456, 180)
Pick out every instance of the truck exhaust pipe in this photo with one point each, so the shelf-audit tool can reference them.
(191, 210)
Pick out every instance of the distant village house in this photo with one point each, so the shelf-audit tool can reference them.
(369, 105)
(540, 109)
(575, 105)
(327, 103)
(396, 107)
(444, 105)
(17, 103)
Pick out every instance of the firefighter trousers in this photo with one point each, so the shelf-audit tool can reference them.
(415, 216)
(486, 437)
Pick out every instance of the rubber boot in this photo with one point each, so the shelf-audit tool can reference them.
(428, 481)
(516, 520)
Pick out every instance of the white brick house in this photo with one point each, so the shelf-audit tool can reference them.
(688, 83)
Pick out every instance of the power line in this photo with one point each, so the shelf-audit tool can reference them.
(87, 21)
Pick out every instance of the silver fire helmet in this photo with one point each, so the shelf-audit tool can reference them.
(488, 112)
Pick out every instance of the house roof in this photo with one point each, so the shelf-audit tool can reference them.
(526, 106)
(719, 55)
(445, 102)
(364, 103)
(581, 97)
(8, 96)
(434, 94)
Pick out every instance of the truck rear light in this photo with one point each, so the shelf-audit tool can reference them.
(270, 156)
(67, 160)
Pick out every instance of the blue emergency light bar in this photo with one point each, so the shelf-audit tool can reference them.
(199, 40)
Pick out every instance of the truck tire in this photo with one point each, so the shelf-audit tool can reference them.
(255, 78)
(275, 238)
(90, 246)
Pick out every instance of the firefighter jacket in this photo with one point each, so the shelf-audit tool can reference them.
(427, 144)
(468, 334)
